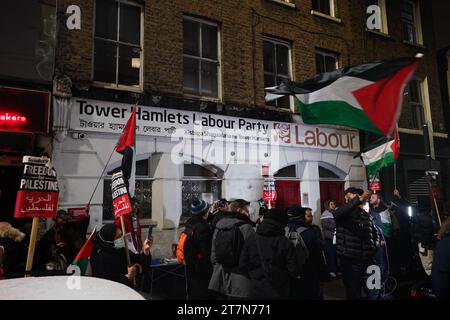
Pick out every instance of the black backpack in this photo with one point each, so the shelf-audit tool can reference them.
(228, 245)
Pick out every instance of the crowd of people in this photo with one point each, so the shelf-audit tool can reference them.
(281, 254)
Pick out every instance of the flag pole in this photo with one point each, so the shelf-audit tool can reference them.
(32, 245)
(101, 176)
(127, 253)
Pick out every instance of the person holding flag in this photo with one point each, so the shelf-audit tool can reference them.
(108, 259)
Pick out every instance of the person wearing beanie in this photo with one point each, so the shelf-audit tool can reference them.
(199, 273)
(268, 257)
(307, 287)
(357, 242)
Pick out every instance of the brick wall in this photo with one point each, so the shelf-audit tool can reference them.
(242, 25)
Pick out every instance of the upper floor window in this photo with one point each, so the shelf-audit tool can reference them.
(326, 61)
(411, 22)
(118, 43)
(200, 57)
(324, 6)
(383, 14)
(414, 108)
(277, 67)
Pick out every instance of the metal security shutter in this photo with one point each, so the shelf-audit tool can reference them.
(417, 184)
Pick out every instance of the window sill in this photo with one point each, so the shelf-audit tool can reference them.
(115, 87)
(283, 3)
(379, 33)
(420, 132)
(202, 98)
(323, 15)
(417, 45)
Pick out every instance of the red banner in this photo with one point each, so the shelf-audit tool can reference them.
(38, 192)
(78, 213)
(121, 201)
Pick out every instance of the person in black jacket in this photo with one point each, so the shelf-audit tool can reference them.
(441, 264)
(268, 257)
(307, 287)
(108, 258)
(357, 241)
(199, 274)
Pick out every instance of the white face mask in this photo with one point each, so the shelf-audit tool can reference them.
(119, 243)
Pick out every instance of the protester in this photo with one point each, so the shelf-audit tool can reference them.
(216, 210)
(14, 249)
(423, 230)
(108, 259)
(441, 264)
(262, 210)
(329, 235)
(356, 243)
(268, 257)
(307, 287)
(197, 246)
(232, 229)
(382, 220)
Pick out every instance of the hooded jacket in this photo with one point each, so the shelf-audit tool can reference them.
(230, 283)
(328, 225)
(268, 257)
(441, 264)
(203, 238)
(356, 235)
(110, 263)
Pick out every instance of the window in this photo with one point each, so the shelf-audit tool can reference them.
(277, 67)
(327, 174)
(414, 103)
(326, 61)
(117, 43)
(200, 182)
(411, 24)
(143, 191)
(324, 6)
(200, 57)
(287, 172)
(383, 13)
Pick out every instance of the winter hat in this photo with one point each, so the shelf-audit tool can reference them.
(294, 212)
(278, 215)
(354, 191)
(199, 207)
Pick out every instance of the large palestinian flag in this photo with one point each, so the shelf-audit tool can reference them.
(366, 97)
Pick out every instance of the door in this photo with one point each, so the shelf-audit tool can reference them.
(9, 184)
(332, 190)
(288, 193)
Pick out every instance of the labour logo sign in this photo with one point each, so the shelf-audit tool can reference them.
(121, 201)
(38, 191)
(283, 131)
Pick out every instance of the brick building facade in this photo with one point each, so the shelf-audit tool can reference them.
(244, 28)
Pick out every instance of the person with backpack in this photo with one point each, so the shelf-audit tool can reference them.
(231, 231)
(268, 257)
(194, 251)
(357, 241)
(308, 242)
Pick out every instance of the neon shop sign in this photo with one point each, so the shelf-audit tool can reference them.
(8, 118)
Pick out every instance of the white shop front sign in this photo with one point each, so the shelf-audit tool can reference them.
(110, 117)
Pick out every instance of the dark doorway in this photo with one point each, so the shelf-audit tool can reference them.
(331, 190)
(9, 184)
(288, 193)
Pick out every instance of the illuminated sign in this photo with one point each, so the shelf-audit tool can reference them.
(11, 118)
(24, 110)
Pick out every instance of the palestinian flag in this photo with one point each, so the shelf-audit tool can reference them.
(83, 256)
(381, 156)
(127, 147)
(366, 97)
